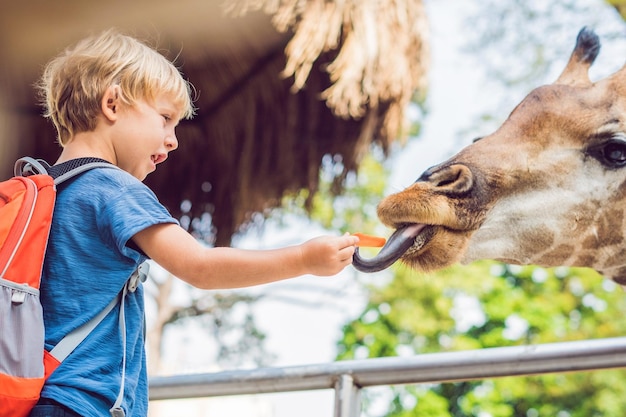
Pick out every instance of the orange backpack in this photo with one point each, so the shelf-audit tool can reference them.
(26, 208)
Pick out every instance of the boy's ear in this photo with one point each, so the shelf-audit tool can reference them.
(111, 102)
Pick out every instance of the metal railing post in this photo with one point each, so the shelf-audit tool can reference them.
(347, 397)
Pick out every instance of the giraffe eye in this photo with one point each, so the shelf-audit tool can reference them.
(611, 153)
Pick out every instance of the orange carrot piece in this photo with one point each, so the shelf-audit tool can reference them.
(369, 240)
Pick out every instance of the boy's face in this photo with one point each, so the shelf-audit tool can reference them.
(145, 135)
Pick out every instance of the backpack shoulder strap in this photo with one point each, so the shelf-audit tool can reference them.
(74, 338)
(30, 166)
(82, 168)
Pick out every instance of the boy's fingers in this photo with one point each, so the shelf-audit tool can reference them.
(352, 239)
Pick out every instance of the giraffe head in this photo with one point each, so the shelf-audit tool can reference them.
(546, 188)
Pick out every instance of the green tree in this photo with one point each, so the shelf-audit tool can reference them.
(489, 304)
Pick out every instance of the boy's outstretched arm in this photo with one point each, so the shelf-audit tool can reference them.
(211, 268)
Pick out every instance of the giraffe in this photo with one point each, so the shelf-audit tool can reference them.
(547, 188)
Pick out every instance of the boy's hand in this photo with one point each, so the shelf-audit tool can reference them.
(328, 255)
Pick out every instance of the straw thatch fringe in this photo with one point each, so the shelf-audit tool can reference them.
(383, 52)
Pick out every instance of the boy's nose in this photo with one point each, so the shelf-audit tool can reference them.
(171, 142)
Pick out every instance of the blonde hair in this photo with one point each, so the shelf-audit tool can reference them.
(74, 82)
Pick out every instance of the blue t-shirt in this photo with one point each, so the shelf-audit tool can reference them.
(88, 260)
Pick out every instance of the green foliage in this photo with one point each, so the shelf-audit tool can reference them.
(489, 304)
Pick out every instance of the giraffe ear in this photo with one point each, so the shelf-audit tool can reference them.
(576, 71)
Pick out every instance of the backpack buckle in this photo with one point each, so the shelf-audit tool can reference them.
(140, 275)
(17, 296)
(117, 412)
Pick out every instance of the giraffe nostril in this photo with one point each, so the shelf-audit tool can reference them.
(454, 179)
(448, 180)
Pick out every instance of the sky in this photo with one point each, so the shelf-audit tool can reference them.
(305, 329)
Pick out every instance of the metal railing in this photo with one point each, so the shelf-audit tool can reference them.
(347, 378)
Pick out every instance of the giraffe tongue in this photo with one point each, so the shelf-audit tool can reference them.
(398, 243)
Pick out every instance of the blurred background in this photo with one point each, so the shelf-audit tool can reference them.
(309, 113)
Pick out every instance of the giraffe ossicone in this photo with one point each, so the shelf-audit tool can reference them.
(547, 188)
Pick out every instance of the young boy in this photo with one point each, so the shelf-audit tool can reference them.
(114, 99)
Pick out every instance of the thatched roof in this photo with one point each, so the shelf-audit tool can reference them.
(281, 84)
